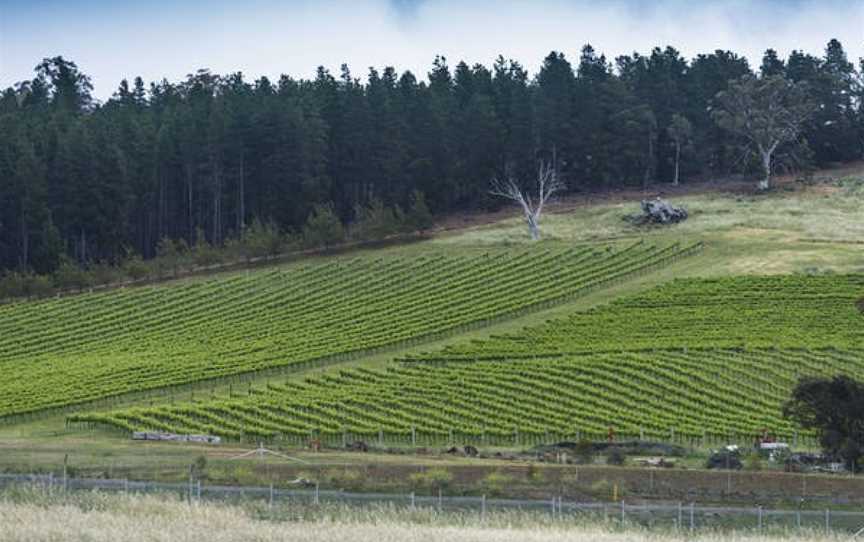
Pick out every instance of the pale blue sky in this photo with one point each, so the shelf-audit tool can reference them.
(111, 40)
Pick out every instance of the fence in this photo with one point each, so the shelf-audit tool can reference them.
(684, 516)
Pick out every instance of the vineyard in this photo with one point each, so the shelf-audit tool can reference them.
(81, 349)
(731, 312)
(693, 359)
(714, 393)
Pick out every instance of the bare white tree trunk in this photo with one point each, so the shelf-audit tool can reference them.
(766, 155)
(547, 184)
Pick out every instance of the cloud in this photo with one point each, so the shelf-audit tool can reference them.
(268, 37)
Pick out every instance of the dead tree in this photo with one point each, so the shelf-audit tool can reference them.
(548, 184)
(766, 113)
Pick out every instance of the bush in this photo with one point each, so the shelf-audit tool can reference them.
(12, 285)
(260, 240)
(350, 479)
(375, 221)
(104, 274)
(38, 286)
(419, 216)
(495, 483)
(170, 255)
(135, 268)
(432, 479)
(203, 253)
(69, 276)
(323, 228)
(753, 462)
(534, 474)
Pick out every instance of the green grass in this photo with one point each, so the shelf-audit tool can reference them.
(794, 229)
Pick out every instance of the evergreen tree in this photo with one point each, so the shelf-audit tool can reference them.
(161, 161)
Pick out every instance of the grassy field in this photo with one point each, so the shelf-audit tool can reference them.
(797, 228)
(28, 515)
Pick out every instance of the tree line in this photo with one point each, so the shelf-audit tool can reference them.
(201, 160)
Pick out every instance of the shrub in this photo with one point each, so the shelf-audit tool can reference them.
(203, 253)
(170, 255)
(11, 285)
(432, 479)
(69, 276)
(323, 228)
(375, 221)
(135, 268)
(38, 286)
(104, 274)
(495, 483)
(753, 462)
(419, 216)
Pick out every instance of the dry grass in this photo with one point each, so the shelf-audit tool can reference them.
(97, 518)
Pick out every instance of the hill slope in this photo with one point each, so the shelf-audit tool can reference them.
(679, 359)
(68, 351)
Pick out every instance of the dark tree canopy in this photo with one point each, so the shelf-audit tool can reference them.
(834, 408)
(204, 158)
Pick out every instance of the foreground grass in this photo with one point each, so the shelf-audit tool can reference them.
(28, 515)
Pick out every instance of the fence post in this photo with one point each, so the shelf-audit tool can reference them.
(623, 513)
(413, 436)
(827, 520)
(317, 493)
(271, 496)
(440, 499)
(680, 515)
(759, 512)
(483, 508)
(692, 517)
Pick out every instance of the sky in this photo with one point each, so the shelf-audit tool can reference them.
(115, 39)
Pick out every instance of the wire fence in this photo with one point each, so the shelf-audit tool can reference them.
(677, 515)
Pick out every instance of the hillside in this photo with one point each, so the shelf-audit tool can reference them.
(75, 350)
(695, 358)
(491, 341)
